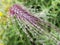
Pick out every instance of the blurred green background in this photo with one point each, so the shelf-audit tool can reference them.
(11, 33)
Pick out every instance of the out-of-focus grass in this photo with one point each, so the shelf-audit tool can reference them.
(4, 19)
(11, 33)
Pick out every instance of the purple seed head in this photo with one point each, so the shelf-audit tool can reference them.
(14, 9)
(21, 13)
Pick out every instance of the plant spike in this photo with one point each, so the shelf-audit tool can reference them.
(40, 25)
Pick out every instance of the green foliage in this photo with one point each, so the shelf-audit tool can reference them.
(14, 34)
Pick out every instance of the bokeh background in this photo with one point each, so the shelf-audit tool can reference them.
(11, 33)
